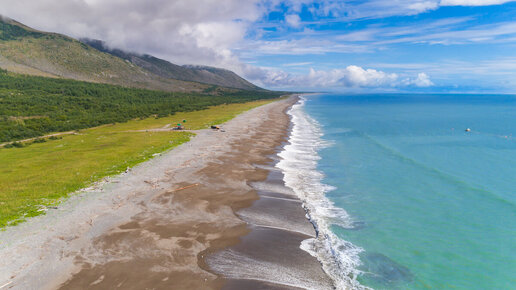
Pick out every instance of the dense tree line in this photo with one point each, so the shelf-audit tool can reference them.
(33, 106)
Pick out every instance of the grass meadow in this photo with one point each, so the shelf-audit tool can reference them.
(43, 174)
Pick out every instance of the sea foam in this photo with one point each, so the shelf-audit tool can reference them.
(298, 162)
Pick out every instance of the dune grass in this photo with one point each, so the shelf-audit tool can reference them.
(43, 174)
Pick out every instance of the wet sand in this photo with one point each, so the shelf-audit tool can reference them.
(269, 257)
(210, 214)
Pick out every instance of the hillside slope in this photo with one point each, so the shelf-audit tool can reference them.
(165, 69)
(28, 51)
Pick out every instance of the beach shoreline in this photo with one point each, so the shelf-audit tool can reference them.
(270, 256)
(159, 224)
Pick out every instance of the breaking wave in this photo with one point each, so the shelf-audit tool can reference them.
(299, 160)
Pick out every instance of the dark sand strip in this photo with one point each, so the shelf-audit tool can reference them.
(271, 252)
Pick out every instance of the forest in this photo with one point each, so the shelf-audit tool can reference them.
(33, 106)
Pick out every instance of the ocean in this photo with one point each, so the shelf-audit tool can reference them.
(402, 196)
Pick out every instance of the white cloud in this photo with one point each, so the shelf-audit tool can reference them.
(293, 64)
(303, 46)
(455, 69)
(419, 7)
(483, 33)
(497, 73)
(455, 30)
(422, 81)
(350, 77)
(380, 8)
(293, 20)
(356, 76)
(473, 2)
(334, 8)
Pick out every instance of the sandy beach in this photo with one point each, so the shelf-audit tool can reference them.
(210, 214)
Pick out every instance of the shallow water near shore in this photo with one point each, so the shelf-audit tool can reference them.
(403, 196)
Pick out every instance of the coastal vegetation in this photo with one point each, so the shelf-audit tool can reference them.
(35, 177)
(33, 106)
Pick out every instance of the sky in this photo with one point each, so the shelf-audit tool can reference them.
(447, 46)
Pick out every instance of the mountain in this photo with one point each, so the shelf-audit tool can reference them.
(29, 51)
(165, 69)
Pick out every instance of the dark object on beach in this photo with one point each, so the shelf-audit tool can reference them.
(215, 127)
(468, 130)
(384, 271)
(178, 127)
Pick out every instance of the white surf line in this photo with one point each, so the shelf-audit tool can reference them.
(6, 284)
(282, 198)
(275, 282)
(282, 229)
(272, 281)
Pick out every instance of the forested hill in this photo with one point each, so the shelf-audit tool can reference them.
(166, 69)
(32, 106)
(28, 51)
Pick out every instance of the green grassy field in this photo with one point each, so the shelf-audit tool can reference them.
(43, 174)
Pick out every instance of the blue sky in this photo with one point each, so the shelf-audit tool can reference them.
(349, 45)
(459, 48)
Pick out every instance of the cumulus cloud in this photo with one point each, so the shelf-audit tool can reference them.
(350, 77)
(422, 81)
(293, 20)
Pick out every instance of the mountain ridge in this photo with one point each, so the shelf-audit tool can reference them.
(29, 51)
(198, 73)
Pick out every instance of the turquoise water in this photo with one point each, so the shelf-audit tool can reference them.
(432, 206)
